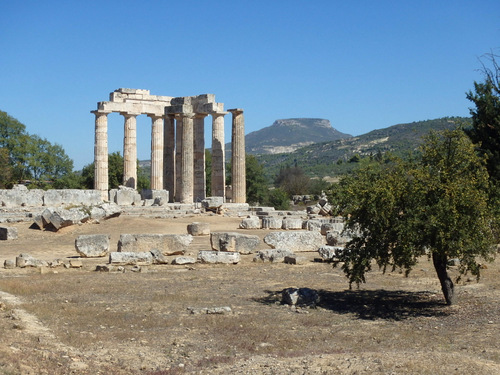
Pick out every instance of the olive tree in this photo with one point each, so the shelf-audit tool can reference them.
(434, 205)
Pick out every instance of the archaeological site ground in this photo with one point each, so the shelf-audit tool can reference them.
(164, 318)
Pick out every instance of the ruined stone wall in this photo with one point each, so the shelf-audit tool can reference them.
(21, 196)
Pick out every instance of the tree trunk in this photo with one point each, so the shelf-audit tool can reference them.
(440, 264)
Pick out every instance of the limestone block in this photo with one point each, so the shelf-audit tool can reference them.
(250, 222)
(330, 253)
(212, 202)
(314, 210)
(105, 211)
(272, 255)
(198, 229)
(312, 224)
(9, 264)
(75, 263)
(300, 296)
(8, 233)
(133, 258)
(292, 223)
(326, 209)
(155, 195)
(233, 241)
(20, 196)
(272, 222)
(26, 260)
(209, 256)
(295, 241)
(126, 196)
(61, 218)
(92, 245)
(158, 257)
(326, 227)
(168, 244)
(294, 259)
(56, 198)
(183, 260)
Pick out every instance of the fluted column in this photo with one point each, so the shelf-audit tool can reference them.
(178, 157)
(200, 185)
(101, 153)
(169, 156)
(238, 156)
(156, 152)
(130, 150)
(218, 181)
(187, 175)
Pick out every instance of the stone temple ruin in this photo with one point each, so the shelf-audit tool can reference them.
(177, 144)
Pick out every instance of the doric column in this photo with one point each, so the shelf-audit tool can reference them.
(238, 156)
(200, 188)
(178, 157)
(187, 175)
(218, 182)
(169, 156)
(101, 153)
(156, 152)
(130, 150)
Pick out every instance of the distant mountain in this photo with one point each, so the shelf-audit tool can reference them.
(332, 158)
(288, 135)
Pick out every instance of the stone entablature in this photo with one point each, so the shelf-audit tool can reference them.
(177, 144)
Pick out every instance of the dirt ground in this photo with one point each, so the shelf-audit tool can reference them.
(63, 321)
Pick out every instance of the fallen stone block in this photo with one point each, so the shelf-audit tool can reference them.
(75, 263)
(250, 222)
(183, 260)
(158, 257)
(168, 244)
(330, 253)
(272, 255)
(209, 256)
(198, 229)
(125, 196)
(233, 241)
(132, 258)
(295, 241)
(210, 202)
(294, 259)
(8, 233)
(272, 222)
(290, 223)
(105, 211)
(9, 264)
(300, 297)
(61, 218)
(312, 225)
(26, 260)
(210, 310)
(327, 227)
(92, 245)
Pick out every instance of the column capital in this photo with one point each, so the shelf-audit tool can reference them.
(182, 115)
(154, 116)
(236, 111)
(200, 115)
(99, 112)
(217, 114)
(129, 114)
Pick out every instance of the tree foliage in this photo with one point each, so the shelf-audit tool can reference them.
(486, 115)
(256, 183)
(435, 205)
(292, 180)
(30, 156)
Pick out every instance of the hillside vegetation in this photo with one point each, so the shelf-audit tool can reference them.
(338, 157)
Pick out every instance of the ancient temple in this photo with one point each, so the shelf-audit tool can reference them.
(177, 144)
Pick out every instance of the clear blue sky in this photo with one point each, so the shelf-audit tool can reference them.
(362, 64)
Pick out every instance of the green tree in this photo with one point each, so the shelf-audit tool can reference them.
(5, 169)
(256, 184)
(208, 173)
(292, 180)
(486, 115)
(436, 205)
(279, 199)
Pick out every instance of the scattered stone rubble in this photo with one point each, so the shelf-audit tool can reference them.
(8, 233)
(322, 208)
(300, 297)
